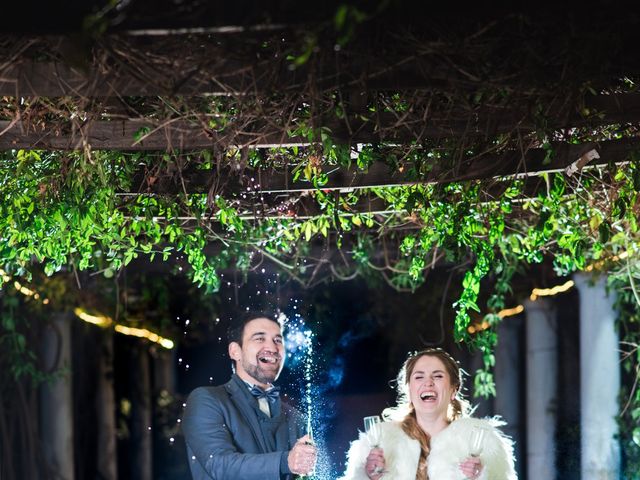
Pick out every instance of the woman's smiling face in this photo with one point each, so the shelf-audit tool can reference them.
(430, 388)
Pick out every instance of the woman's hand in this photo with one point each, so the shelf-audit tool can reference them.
(471, 467)
(374, 467)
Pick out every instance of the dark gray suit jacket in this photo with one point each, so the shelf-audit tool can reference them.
(224, 439)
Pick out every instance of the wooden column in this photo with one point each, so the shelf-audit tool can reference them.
(106, 410)
(542, 371)
(599, 380)
(56, 401)
(141, 422)
(508, 401)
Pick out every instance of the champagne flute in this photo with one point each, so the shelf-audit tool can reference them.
(372, 429)
(476, 441)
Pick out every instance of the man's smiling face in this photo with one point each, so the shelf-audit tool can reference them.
(260, 358)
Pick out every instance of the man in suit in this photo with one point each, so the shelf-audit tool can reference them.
(242, 430)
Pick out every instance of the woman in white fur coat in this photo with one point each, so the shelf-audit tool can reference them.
(427, 436)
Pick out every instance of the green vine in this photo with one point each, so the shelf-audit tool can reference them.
(66, 209)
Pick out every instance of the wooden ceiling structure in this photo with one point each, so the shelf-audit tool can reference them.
(121, 78)
(497, 92)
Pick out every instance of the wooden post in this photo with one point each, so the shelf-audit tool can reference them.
(56, 404)
(106, 409)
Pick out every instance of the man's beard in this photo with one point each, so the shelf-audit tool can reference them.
(260, 375)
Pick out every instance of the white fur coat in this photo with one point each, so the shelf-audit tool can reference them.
(448, 449)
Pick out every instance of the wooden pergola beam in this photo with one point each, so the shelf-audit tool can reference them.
(224, 77)
(226, 74)
(484, 167)
(139, 134)
(56, 79)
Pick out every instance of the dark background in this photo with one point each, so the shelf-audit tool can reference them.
(363, 331)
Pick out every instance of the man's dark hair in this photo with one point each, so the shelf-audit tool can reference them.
(236, 326)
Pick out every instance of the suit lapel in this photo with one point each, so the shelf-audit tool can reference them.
(238, 398)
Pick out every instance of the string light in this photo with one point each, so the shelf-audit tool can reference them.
(550, 292)
(510, 312)
(104, 322)
(27, 292)
(601, 263)
(99, 320)
(478, 327)
(144, 333)
(547, 292)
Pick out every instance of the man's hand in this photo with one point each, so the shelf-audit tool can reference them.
(302, 457)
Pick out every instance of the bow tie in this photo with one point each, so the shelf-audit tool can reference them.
(272, 394)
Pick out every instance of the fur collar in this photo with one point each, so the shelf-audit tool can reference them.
(448, 448)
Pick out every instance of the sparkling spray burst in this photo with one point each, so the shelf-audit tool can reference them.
(300, 356)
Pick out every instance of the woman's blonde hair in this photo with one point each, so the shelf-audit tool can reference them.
(405, 413)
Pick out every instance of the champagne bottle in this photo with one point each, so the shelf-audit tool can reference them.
(310, 475)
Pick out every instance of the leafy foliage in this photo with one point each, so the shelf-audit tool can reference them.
(65, 209)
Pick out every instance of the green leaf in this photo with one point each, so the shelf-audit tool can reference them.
(340, 17)
(140, 133)
(604, 230)
(308, 231)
